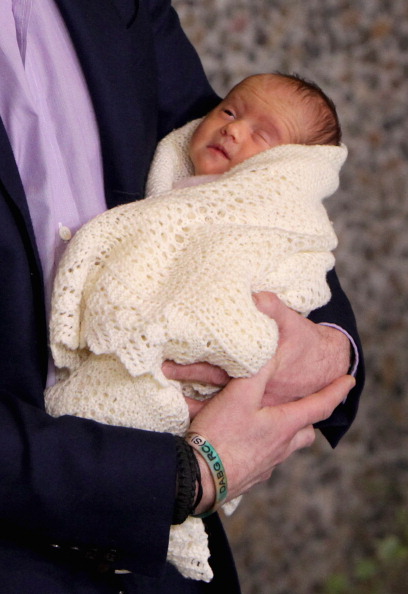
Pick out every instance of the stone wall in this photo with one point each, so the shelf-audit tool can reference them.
(337, 522)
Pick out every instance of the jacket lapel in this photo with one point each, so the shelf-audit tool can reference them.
(11, 181)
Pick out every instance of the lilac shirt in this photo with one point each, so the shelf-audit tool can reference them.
(54, 139)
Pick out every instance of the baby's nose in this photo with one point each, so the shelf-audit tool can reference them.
(234, 129)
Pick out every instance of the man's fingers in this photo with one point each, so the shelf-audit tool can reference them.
(267, 303)
(196, 372)
(194, 407)
(303, 439)
(318, 406)
(270, 305)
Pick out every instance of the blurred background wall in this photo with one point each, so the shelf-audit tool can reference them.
(336, 522)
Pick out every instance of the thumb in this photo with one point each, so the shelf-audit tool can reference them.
(267, 303)
(318, 406)
(270, 305)
(248, 391)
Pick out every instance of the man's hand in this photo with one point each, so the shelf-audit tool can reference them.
(252, 439)
(309, 356)
(196, 372)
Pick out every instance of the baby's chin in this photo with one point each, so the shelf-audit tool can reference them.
(212, 169)
(210, 172)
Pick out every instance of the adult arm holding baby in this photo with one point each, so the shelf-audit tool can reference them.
(256, 423)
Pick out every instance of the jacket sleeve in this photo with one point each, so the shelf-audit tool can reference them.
(339, 312)
(184, 92)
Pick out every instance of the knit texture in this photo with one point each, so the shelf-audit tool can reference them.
(171, 277)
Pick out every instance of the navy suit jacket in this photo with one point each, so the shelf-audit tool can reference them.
(71, 480)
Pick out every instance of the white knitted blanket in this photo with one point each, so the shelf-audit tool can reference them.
(171, 277)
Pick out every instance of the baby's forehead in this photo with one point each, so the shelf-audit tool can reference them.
(265, 87)
(270, 94)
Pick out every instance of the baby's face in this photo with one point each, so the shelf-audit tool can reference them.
(261, 112)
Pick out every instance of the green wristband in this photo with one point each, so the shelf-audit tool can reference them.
(216, 467)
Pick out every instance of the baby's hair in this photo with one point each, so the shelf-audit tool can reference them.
(326, 129)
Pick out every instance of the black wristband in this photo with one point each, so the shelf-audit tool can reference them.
(188, 474)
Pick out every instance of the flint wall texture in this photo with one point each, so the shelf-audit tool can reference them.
(335, 522)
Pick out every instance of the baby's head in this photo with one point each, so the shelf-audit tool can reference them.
(261, 112)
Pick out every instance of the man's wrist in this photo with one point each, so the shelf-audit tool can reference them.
(195, 489)
(354, 355)
(217, 471)
(188, 485)
(208, 487)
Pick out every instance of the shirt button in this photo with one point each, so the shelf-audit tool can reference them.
(64, 232)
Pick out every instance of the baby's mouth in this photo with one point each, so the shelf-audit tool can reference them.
(220, 149)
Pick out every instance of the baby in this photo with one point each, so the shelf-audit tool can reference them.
(171, 276)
